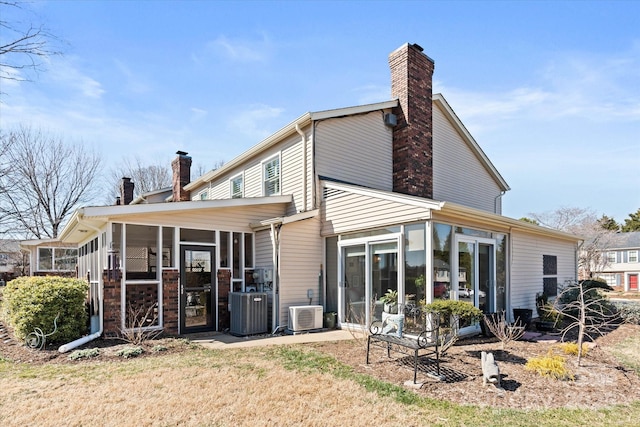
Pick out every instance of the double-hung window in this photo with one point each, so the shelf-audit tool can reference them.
(236, 187)
(633, 256)
(271, 176)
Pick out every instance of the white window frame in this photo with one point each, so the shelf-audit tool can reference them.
(263, 164)
(231, 181)
(203, 195)
(612, 257)
(54, 249)
(632, 256)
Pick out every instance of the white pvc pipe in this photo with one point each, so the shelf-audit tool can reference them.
(77, 343)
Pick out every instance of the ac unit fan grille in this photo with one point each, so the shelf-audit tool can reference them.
(305, 319)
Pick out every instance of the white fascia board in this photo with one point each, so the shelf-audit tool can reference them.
(114, 211)
(489, 218)
(358, 109)
(385, 195)
(471, 142)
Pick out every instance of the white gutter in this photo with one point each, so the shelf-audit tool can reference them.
(80, 341)
(304, 166)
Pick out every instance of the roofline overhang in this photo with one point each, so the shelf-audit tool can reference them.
(465, 212)
(97, 216)
(282, 220)
(456, 211)
(285, 132)
(386, 195)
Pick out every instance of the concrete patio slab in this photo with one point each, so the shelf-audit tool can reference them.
(222, 341)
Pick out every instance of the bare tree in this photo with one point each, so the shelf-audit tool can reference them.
(47, 179)
(584, 309)
(584, 223)
(146, 177)
(24, 46)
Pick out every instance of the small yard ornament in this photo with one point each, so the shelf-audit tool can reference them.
(490, 370)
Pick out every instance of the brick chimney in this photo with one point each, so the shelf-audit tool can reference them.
(126, 191)
(411, 83)
(181, 166)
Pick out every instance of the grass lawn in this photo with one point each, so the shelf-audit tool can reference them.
(267, 386)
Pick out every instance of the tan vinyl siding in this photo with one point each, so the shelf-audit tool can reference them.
(355, 149)
(350, 212)
(291, 173)
(458, 175)
(291, 170)
(236, 219)
(300, 261)
(264, 249)
(526, 266)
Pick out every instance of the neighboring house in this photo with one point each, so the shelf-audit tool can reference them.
(51, 257)
(623, 263)
(331, 210)
(11, 260)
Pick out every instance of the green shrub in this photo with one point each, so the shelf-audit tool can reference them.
(128, 352)
(463, 310)
(629, 312)
(87, 353)
(34, 302)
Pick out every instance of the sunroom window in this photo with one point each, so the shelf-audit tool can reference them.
(57, 259)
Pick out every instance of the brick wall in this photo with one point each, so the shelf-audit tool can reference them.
(224, 287)
(411, 83)
(145, 295)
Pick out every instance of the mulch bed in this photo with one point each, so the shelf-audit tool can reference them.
(600, 381)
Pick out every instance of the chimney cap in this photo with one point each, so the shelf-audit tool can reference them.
(181, 153)
(417, 46)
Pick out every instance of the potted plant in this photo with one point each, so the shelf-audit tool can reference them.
(548, 316)
(390, 301)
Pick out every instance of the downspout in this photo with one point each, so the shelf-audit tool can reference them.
(304, 167)
(80, 341)
(495, 202)
(275, 306)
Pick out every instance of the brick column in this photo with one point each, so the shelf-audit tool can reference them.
(112, 287)
(170, 301)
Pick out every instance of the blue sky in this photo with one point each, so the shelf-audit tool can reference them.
(550, 90)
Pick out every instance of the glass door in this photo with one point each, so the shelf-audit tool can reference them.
(354, 284)
(368, 270)
(197, 291)
(474, 280)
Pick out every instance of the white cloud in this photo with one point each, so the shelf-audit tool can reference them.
(132, 82)
(241, 50)
(64, 73)
(254, 121)
(591, 87)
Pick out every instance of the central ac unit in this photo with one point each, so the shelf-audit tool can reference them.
(305, 318)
